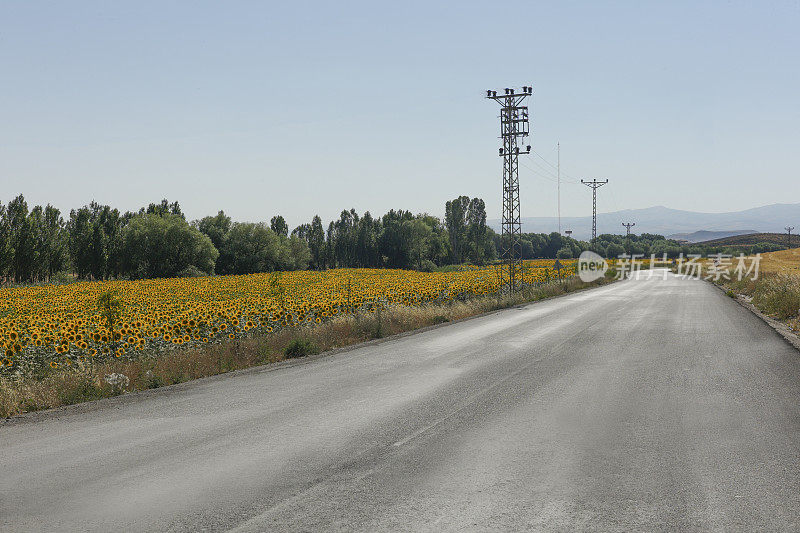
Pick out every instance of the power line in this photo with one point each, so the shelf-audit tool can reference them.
(555, 167)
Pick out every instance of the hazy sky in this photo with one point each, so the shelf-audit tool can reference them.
(299, 108)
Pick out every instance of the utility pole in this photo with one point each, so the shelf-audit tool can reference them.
(789, 235)
(594, 184)
(559, 186)
(514, 127)
(628, 226)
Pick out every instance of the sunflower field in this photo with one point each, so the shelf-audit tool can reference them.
(60, 326)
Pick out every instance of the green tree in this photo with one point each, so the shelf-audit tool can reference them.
(94, 240)
(38, 253)
(163, 208)
(394, 240)
(78, 229)
(419, 235)
(279, 226)
(614, 250)
(477, 235)
(216, 228)
(21, 239)
(154, 246)
(250, 248)
(54, 237)
(299, 253)
(368, 233)
(6, 249)
(455, 217)
(316, 243)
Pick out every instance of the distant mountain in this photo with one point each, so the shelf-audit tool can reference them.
(665, 221)
(700, 236)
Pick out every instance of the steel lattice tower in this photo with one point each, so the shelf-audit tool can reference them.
(628, 226)
(514, 127)
(594, 184)
(789, 235)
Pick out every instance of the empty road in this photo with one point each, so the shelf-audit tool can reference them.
(644, 405)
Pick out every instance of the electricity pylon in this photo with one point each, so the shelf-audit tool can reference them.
(594, 184)
(514, 127)
(789, 235)
(628, 226)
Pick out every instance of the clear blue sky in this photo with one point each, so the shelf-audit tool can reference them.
(297, 108)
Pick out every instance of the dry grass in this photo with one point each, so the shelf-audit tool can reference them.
(783, 262)
(777, 290)
(65, 387)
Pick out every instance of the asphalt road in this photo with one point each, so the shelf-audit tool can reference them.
(640, 406)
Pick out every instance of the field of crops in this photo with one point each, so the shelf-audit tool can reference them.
(68, 325)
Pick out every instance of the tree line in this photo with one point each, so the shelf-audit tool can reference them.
(99, 242)
(647, 244)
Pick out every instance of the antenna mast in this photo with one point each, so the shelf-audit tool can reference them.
(559, 187)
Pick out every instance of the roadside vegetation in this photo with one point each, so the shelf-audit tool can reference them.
(776, 292)
(102, 377)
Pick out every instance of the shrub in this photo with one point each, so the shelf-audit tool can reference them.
(60, 278)
(440, 319)
(451, 268)
(300, 348)
(564, 253)
(426, 265)
(191, 272)
(82, 389)
(779, 296)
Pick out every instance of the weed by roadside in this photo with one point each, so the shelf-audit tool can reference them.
(778, 296)
(300, 348)
(775, 294)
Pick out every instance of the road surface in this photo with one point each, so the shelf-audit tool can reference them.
(644, 405)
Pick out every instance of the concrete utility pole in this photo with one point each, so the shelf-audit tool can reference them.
(514, 127)
(628, 226)
(594, 184)
(789, 235)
